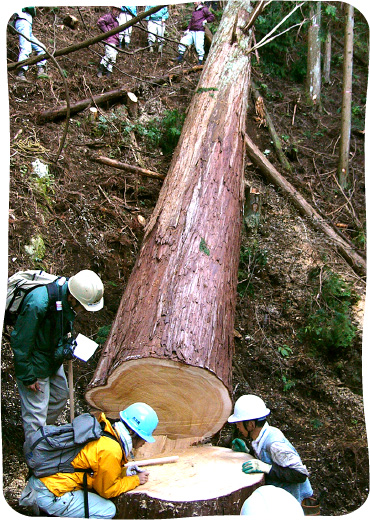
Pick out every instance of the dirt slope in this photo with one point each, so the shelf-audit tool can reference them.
(87, 216)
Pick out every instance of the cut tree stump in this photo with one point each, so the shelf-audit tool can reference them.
(206, 480)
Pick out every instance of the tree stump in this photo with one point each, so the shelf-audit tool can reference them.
(206, 480)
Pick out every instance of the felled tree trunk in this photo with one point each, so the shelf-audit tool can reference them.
(206, 480)
(171, 343)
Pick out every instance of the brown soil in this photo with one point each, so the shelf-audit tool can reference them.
(88, 218)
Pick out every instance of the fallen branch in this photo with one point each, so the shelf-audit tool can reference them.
(269, 171)
(123, 166)
(274, 136)
(170, 77)
(61, 112)
(86, 43)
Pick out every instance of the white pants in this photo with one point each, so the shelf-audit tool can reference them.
(126, 34)
(25, 46)
(70, 504)
(193, 37)
(44, 406)
(156, 30)
(110, 57)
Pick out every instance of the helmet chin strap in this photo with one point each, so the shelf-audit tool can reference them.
(125, 437)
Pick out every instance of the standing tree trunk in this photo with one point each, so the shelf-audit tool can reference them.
(327, 57)
(171, 344)
(314, 55)
(345, 139)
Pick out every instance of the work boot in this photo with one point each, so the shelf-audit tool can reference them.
(20, 75)
(101, 71)
(41, 72)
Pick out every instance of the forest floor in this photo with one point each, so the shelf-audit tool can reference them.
(90, 215)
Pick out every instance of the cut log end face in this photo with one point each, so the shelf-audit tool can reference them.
(205, 480)
(189, 401)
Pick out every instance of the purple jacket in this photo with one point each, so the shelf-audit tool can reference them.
(198, 16)
(107, 23)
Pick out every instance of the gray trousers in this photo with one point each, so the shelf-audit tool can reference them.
(43, 407)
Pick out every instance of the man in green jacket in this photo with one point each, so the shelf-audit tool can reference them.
(40, 344)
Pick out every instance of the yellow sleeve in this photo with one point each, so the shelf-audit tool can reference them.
(110, 479)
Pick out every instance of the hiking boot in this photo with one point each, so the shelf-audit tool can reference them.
(41, 72)
(20, 75)
(101, 71)
(179, 58)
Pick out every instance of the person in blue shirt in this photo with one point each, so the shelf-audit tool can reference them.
(274, 455)
(127, 13)
(156, 27)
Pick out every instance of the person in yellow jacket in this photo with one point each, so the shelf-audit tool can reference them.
(62, 494)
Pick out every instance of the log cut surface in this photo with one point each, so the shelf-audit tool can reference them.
(167, 385)
(206, 479)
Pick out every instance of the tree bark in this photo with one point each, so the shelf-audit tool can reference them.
(346, 249)
(345, 139)
(172, 341)
(327, 57)
(206, 480)
(314, 55)
(61, 112)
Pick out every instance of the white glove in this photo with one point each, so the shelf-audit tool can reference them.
(256, 466)
(132, 469)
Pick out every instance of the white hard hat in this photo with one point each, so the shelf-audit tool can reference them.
(88, 289)
(272, 502)
(247, 408)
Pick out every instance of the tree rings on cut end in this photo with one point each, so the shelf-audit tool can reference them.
(190, 401)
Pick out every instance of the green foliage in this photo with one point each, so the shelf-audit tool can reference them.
(329, 329)
(288, 383)
(159, 132)
(203, 247)
(102, 334)
(285, 351)
(286, 55)
(170, 127)
(252, 259)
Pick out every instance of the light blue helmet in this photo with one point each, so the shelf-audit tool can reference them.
(142, 419)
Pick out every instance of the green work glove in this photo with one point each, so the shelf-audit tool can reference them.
(256, 466)
(239, 445)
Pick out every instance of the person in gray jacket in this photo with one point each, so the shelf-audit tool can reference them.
(275, 456)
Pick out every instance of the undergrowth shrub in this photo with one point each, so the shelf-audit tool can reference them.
(329, 328)
(252, 259)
